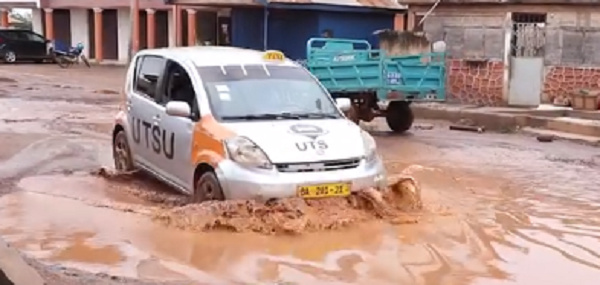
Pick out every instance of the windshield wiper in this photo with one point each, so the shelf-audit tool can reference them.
(267, 116)
(316, 115)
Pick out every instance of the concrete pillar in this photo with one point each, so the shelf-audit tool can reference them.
(410, 21)
(171, 20)
(150, 28)
(124, 30)
(135, 28)
(49, 22)
(399, 24)
(98, 31)
(4, 22)
(191, 27)
(178, 23)
(36, 21)
(80, 29)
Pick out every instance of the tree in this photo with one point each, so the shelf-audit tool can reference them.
(20, 20)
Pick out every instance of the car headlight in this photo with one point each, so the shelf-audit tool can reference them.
(245, 152)
(369, 146)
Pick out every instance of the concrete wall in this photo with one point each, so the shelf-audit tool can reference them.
(475, 46)
(468, 35)
(572, 58)
(573, 38)
(475, 38)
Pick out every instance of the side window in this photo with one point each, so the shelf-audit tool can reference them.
(35, 37)
(178, 87)
(10, 35)
(147, 72)
(22, 36)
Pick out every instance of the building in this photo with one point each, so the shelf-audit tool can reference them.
(514, 52)
(105, 26)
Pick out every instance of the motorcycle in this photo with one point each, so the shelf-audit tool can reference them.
(66, 56)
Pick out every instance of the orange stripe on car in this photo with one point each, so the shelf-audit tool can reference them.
(207, 143)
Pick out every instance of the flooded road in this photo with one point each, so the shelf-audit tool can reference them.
(498, 209)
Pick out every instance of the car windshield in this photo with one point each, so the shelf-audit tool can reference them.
(263, 92)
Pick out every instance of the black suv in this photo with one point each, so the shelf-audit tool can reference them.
(19, 44)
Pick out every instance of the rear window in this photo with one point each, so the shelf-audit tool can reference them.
(9, 35)
(15, 35)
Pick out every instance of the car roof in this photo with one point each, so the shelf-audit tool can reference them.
(214, 55)
(2, 29)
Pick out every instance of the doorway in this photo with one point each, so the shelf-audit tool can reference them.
(527, 59)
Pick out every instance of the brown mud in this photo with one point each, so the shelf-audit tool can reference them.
(398, 204)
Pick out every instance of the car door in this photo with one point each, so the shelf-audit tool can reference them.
(36, 44)
(16, 43)
(143, 108)
(176, 132)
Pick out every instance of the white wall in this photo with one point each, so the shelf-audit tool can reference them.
(80, 29)
(171, 21)
(123, 33)
(36, 21)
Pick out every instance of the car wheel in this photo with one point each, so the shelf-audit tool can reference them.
(399, 116)
(207, 188)
(10, 56)
(121, 153)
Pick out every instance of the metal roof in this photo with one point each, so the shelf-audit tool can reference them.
(380, 4)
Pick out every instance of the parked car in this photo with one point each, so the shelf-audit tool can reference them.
(21, 44)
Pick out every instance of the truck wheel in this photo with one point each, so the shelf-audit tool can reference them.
(121, 153)
(399, 116)
(207, 188)
(352, 115)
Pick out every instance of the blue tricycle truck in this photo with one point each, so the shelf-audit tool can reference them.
(378, 82)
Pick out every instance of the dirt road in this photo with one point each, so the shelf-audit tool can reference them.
(499, 208)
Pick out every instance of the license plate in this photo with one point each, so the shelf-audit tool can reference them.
(324, 190)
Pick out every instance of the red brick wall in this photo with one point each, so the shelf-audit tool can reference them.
(562, 81)
(475, 82)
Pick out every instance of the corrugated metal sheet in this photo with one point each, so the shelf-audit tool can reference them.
(383, 4)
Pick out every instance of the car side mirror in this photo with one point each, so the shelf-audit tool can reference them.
(343, 103)
(178, 109)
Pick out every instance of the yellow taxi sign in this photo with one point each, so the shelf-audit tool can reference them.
(274, 55)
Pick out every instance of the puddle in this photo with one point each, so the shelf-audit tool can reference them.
(473, 230)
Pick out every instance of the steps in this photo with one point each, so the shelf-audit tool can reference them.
(589, 140)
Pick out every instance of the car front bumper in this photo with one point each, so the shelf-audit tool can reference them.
(239, 182)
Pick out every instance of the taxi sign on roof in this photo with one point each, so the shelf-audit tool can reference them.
(274, 55)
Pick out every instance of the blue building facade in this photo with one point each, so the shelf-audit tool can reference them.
(289, 26)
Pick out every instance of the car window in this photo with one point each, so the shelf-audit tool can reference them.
(235, 91)
(21, 35)
(10, 35)
(178, 87)
(147, 72)
(34, 37)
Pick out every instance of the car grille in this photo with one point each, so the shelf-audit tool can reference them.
(319, 166)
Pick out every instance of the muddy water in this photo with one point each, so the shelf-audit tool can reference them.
(100, 226)
(498, 209)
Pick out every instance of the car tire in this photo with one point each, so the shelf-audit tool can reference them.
(399, 116)
(10, 56)
(122, 153)
(207, 188)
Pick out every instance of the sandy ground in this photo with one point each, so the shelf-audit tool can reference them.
(497, 208)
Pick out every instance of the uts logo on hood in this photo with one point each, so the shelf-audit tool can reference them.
(309, 131)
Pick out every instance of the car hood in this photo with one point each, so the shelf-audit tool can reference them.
(289, 141)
